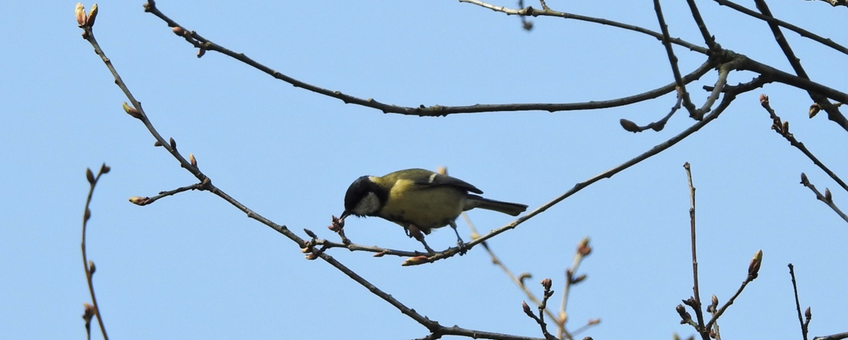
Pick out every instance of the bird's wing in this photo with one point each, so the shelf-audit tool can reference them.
(436, 179)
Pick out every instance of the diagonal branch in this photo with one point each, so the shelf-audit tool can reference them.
(551, 13)
(204, 45)
(723, 105)
(831, 110)
(804, 33)
(709, 39)
(782, 128)
(89, 266)
(672, 59)
(137, 112)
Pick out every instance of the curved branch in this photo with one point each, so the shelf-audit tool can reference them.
(89, 266)
(725, 103)
(204, 44)
(551, 13)
(672, 59)
(804, 33)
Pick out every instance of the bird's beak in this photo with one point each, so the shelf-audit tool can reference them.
(344, 214)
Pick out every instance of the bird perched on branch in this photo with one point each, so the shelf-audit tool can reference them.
(419, 200)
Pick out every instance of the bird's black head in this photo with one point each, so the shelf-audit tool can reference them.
(364, 198)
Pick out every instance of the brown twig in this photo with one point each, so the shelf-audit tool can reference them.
(672, 59)
(753, 272)
(798, 303)
(782, 128)
(137, 200)
(540, 319)
(837, 336)
(827, 197)
(657, 126)
(137, 112)
(438, 110)
(821, 100)
(518, 280)
(530, 11)
(835, 3)
(583, 250)
(696, 299)
(804, 33)
(709, 39)
(725, 102)
(89, 266)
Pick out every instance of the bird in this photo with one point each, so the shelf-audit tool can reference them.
(419, 200)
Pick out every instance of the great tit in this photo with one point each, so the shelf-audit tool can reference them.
(419, 200)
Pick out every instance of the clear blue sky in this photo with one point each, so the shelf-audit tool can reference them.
(191, 266)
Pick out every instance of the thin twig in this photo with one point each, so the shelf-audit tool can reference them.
(827, 197)
(796, 63)
(519, 281)
(725, 102)
(837, 336)
(89, 271)
(583, 250)
(429, 111)
(540, 319)
(672, 59)
(434, 327)
(709, 39)
(804, 33)
(530, 11)
(704, 331)
(835, 3)
(782, 128)
(797, 301)
(753, 272)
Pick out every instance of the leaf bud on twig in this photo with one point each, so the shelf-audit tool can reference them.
(814, 109)
(629, 125)
(88, 312)
(754, 267)
(92, 15)
(138, 200)
(526, 308)
(178, 31)
(131, 111)
(79, 12)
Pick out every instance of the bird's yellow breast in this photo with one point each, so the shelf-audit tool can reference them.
(427, 207)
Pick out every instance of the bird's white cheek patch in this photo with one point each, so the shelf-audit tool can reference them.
(367, 205)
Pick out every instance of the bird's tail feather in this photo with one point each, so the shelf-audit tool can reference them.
(513, 209)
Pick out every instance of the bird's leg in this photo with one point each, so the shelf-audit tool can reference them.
(413, 231)
(459, 241)
(429, 250)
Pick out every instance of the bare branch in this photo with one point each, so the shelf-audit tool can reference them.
(827, 198)
(709, 39)
(696, 299)
(782, 128)
(797, 302)
(87, 265)
(753, 269)
(551, 13)
(728, 98)
(672, 59)
(804, 33)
